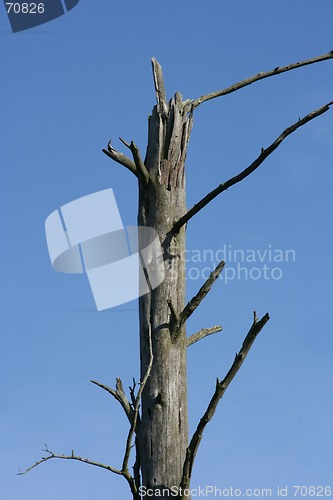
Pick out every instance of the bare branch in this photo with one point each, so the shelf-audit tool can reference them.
(136, 407)
(159, 86)
(201, 334)
(52, 455)
(141, 167)
(251, 168)
(260, 76)
(119, 395)
(196, 300)
(127, 144)
(132, 391)
(220, 389)
(139, 164)
(120, 158)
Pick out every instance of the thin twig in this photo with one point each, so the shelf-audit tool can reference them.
(127, 144)
(251, 168)
(220, 389)
(141, 167)
(132, 392)
(139, 164)
(194, 103)
(201, 334)
(196, 300)
(119, 395)
(136, 407)
(52, 455)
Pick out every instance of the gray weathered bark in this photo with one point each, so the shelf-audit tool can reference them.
(163, 434)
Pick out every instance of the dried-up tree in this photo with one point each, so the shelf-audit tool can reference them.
(157, 410)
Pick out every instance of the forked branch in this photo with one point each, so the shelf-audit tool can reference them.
(133, 417)
(194, 103)
(119, 395)
(251, 168)
(137, 167)
(120, 158)
(220, 389)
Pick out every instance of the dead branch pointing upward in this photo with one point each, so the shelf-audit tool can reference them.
(140, 166)
(121, 159)
(251, 168)
(119, 395)
(196, 300)
(260, 76)
(220, 389)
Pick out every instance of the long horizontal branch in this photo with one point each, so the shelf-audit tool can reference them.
(260, 76)
(197, 299)
(121, 158)
(52, 455)
(251, 168)
(220, 389)
(201, 334)
(119, 395)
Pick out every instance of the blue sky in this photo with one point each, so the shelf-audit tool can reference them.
(67, 88)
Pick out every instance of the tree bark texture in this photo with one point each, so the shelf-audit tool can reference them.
(163, 432)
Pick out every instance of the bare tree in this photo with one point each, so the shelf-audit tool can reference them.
(157, 409)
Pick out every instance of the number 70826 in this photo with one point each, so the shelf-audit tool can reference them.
(25, 8)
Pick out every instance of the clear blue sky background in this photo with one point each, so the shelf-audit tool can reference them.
(68, 87)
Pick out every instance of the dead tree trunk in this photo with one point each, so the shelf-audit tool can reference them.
(164, 454)
(163, 435)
